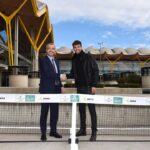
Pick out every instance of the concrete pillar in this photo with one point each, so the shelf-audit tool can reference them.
(34, 80)
(16, 41)
(18, 81)
(145, 71)
(35, 65)
(36, 61)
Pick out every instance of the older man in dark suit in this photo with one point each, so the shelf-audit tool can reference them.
(49, 84)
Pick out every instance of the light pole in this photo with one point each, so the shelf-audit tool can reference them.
(100, 45)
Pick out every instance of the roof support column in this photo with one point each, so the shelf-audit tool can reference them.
(35, 54)
(36, 60)
(16, 42)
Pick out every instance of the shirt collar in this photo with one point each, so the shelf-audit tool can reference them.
(50, 57)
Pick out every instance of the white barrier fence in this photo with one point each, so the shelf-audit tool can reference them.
(78, 98)
(74, 99)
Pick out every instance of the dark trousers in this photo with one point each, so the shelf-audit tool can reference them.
(82, 110)
(54, 107)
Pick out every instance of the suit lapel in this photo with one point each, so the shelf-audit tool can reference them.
(50, 63)
(57, 65)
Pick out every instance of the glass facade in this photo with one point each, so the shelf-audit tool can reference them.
(105, 67)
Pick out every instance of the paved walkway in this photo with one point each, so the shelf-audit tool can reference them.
(103, 143)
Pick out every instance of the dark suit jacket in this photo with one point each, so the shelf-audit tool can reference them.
(48, 77)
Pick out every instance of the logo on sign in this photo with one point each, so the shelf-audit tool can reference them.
(3, 98)
(90, 99)
(30, 98)
(46, 98)
(117, 100)
(20, 98)
(108, 100)
(132, 101)
(74, 98)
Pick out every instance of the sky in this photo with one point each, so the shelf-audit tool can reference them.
(113, 23)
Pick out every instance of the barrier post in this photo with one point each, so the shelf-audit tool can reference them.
(73, 141)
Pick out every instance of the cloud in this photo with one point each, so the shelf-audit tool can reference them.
(132, 13)
(108, 34)
(92, 44)
(146, 35)
(141, 45)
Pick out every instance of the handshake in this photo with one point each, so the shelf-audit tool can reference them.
(63, 77)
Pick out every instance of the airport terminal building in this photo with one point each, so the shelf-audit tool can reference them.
(25, 29)
(110, 61)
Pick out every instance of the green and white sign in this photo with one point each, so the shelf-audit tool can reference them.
(74, 98)
(118, 100)
(30, 98)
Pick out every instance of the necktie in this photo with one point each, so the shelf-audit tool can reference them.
(53, 63)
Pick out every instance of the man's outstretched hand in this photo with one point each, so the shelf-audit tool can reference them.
(93, 90)
(63, 77)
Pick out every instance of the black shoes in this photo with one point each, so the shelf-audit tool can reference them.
(55, 134)
(93, 136)
(43, 137)
(81, 132)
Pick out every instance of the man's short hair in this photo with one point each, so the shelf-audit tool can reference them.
(49, 44)
(76, 42)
